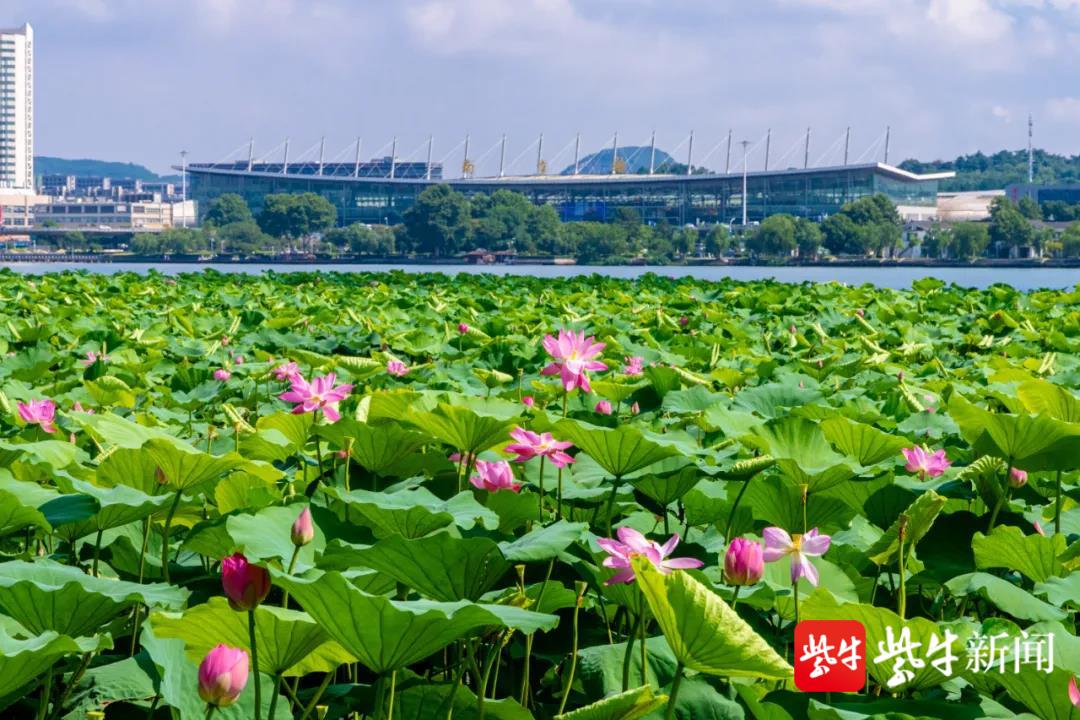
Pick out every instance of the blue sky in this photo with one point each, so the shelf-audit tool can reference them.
(140, 79)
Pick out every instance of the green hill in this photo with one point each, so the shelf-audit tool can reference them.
(994, 172)
(44, 165)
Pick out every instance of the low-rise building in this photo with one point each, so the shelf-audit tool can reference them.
(113, 215)
(17, 208)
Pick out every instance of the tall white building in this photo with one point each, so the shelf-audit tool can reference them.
(17, 108)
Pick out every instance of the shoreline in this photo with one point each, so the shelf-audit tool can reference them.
(97, 259)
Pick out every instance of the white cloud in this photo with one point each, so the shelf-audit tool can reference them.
(970, 20)
(1063, 109)
(1001, 113)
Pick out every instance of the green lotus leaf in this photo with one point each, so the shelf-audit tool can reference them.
(543, 543)
(117, 506)
(1031, 442)
(1005, 596)
(439, 566)
(289, 642)
(1035, 556)
(866, 444)
(705, 634)
(46, 596)
(619, 451)
(1040, 396)
(461, 427)
(22, 661)
(916, 520)
(414, 512)
(387, 635)
(803, 453)
(629, 705)
(377, 448)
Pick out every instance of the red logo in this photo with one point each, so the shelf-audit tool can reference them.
(830, 656)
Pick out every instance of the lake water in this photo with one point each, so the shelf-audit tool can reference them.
(889, 277)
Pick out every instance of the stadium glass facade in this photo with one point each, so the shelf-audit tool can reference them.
(675, 199)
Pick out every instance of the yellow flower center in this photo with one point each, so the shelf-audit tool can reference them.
(796, 543)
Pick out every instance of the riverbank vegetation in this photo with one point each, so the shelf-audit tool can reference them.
(418, 497)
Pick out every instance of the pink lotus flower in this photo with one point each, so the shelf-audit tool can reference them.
(221, 374)
(744, 562)
(39, 412)
(684, 321)
(224, 340)
(1038, 529)
(77, 407)
(92, 357)
(800, 547)
(922, 461)
(528, 401)
(574, 356)
(494, 476)
(530, 445)
(635, 408)
(223, 674)
(463, 328)
(239, 360)
(245, 585)
(319, 395)
(457, 457)
(634, 366)
(303, 529)
(603, 407)
(397, 368)
(1074, 693)
(287, 371)
(632, 543)
(1017, 478)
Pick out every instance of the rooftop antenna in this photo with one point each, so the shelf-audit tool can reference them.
(502, 156)
(888, 136)
(615, 153)
(251, 154)
(285, 160)
(727, 165)
(322, 147)
(465, 161)
(690, 154)
(652, 153)
(356, 165)
(183, 187)
(806, 153)
(540, 155)
(847, 144)
(768, 144)
(1031, 152)
(430, 143)
(393, 158)
(745, 144)
(577, 149)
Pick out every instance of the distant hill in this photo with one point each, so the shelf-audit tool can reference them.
(44, 165)
(994, 172)
(636, 158)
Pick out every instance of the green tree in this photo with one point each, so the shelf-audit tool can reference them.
(438, 222)
(808, 237)
(717, 240)
(596, 242)
(775, 236)
(295, 216)
(936, 242)
(1070, 241)
(1008, 226)
(228, 209)
(242, 237)
(146, 244)
(543, 228)
(361, 239)
(970, 239)
(73, 240)
(841, 236)
(1029, 209)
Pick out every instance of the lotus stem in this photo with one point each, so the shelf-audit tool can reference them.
(97, 552)
(643, 624)
(582, 588)
(628, 655)
(795, 595)
(317, 696)
(542, 459)
(165, 536)
(46, 690)
(611, 502)
(274, 697)
(75, 677)
(731, 515)
(1057, 504)
(209, 711)
(735, 596)
(292, 564)
(393, 691)
(675, 683)
(380, 697)
(901, 603)
(255, 664)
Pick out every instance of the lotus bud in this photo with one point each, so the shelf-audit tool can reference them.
(635, 408)
(159, 475)
(303, 530)
(684, 321)
(221, 374)
(463, 328)
(744, 562)
(1017, 478)
(245, 585)
(528, 401)
(603, 407)
(861, 313)
(223, 674)
(792, 329)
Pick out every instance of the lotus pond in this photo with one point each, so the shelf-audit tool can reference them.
(392, 496)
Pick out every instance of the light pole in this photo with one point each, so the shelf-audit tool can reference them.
(745, 144)
(183, 188)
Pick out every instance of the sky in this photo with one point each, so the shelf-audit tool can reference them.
(139, 80)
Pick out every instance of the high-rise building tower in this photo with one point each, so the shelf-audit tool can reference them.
(17, 108)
